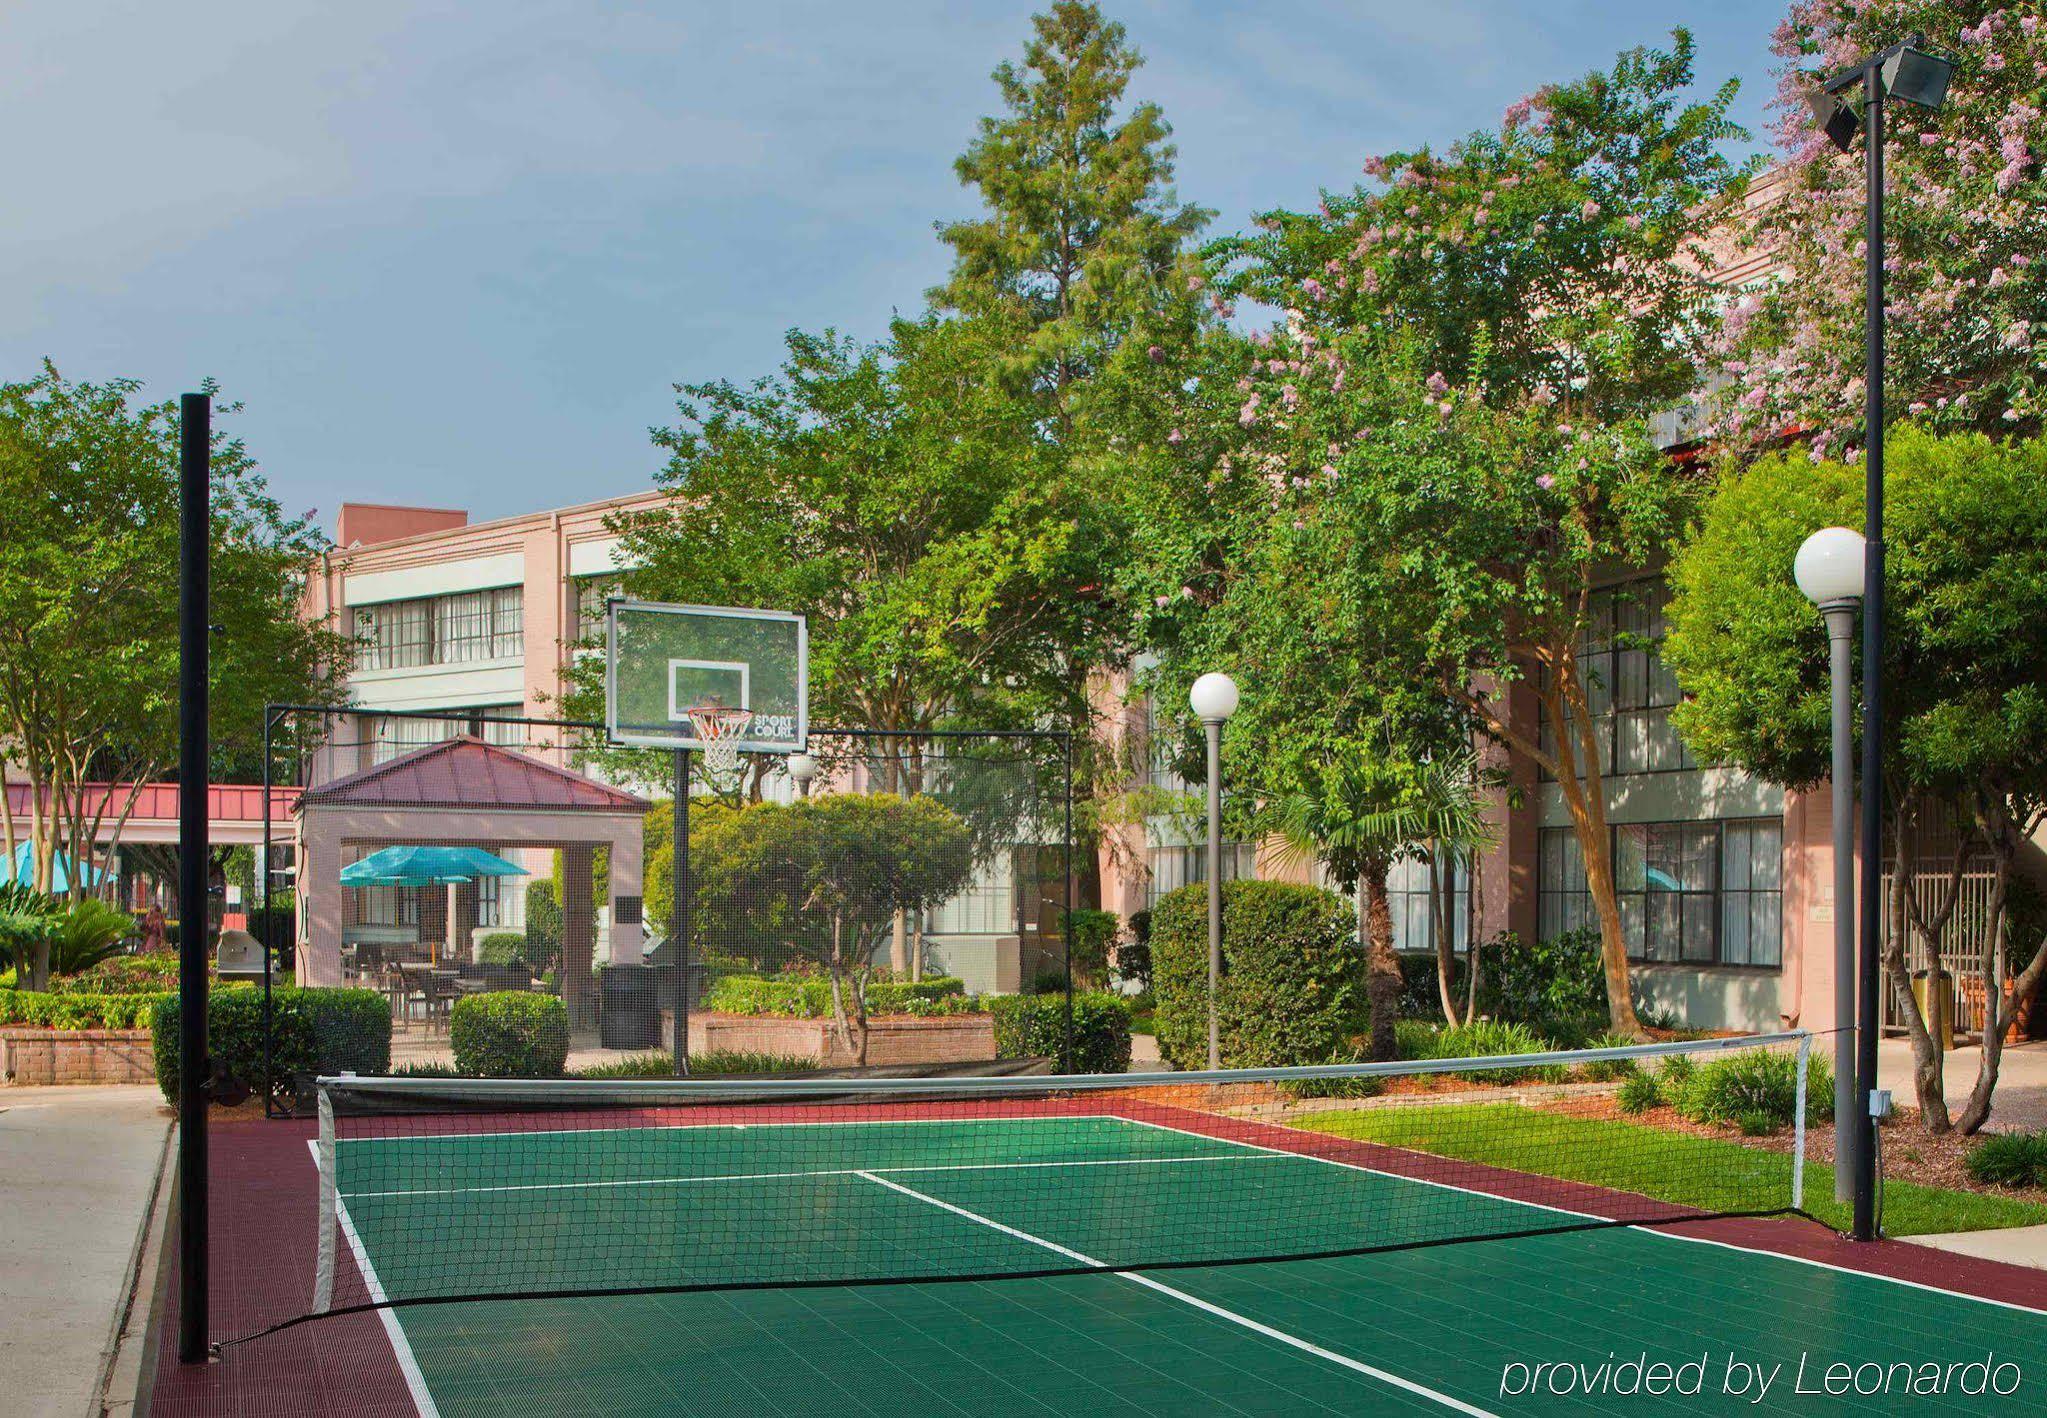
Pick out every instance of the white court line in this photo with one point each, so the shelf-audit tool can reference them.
(747, 1127)
(401, 1347)
(1206, 1307)
(820, 1172)
(1668, 1235)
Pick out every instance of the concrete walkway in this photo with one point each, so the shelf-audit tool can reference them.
(2020, 1103)
(2015, 1245)
(77, 1171)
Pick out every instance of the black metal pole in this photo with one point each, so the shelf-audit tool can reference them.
(1066, 905)
(195, 436)
(263, 898)
(679, 882)
(1872, 657)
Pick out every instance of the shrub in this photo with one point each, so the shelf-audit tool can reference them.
(810, 997)
(1050, 982)
(76, 1009)
(90, 932)
(1420, 998)
(312, 1031)
(1639, 1093)
(1414, 1038)
(1089, 934)
(2012, 1159)
(1034, 1026)
(1547, 985)
(124, 975)
(1133, 953)
(1746, 1087)
(1292, 975)
(712, 1063)
(543, 921)
(426, 1068)
(1485, 1038)
(1608, 1070)
(502, 948)
(509, 1034)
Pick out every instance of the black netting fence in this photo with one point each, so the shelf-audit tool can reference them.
(512, 895)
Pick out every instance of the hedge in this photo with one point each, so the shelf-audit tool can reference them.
(154, 973)
(1293, 975)
(1034, 1026)
(509, 1034)
(313, 1031)
(77, 1009)
(810, 997)
(502, 948)
(1089, 934)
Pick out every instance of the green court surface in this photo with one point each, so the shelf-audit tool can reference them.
(1436, 1329)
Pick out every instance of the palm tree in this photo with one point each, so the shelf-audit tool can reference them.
(1446, 817)
(1349, 813)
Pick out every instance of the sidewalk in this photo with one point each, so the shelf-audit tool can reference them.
(2020, 1103)
(77, 1168)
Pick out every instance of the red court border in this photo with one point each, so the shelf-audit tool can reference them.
(264, 1194)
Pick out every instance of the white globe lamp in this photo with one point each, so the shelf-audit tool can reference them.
(1213, 697)
(1829, 566)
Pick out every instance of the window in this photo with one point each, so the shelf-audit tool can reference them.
(986, 907)
(1174, 867)
(591, 594)
(1414, 908)
(1628, 688)
(403, 733)
(490, 898)
(443, 630)
(1690, 893)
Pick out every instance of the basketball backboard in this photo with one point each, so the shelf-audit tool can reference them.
(661, 661)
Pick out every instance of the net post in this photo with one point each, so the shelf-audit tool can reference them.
(263, 896)
(195, 540)
(323, 1273)
(679, 885)
(1066, 904)
(1798, 1126)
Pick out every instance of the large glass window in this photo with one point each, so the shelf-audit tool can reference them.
(591, 594)
(986, 907)
(443, 630)
(1416, 903)
(402, 734)
(1690, 893)
(1174, 867)
(1628, 688)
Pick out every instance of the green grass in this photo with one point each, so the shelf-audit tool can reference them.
(1709, 1173)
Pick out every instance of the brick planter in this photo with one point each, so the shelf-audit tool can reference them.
(891, 1038)
(46, 1056)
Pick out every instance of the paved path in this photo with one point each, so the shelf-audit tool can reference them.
(77, 1166)
(2016, 1245)
(2020, 1103)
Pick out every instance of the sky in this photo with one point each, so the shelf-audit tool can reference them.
(457, 253)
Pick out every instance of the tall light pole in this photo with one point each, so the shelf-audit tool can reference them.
(1214, 699)
(1828, 570)
(1906, 72)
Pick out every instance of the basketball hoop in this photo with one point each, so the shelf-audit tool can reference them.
(718, 729)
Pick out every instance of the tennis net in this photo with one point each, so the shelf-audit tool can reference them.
(438, 1189)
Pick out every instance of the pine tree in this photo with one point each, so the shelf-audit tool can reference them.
(1083, 250)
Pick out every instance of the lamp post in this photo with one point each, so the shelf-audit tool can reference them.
(1828, 570)
(802, 768)
(1906, 72)
(1214, 699)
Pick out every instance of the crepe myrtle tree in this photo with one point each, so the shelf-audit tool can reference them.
(1452, 409)
(1965, 222)
(823, 881)
(1966, 706)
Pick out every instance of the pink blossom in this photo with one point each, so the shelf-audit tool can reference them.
(1313, 288)
(1543, 396)
(1156, 354)
(1376, 167)
(1161, 601)
(1517, 113)
(1176, 437)
(1290, 396)
(1195, 283)
(1634, 222)
(1186, 593)
(1590, 210)
(1248, 415)
(1546, 481)
(1437, 384)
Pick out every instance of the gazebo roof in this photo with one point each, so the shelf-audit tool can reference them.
(466, 772)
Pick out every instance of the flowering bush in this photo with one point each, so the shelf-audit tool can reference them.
(1965, 226)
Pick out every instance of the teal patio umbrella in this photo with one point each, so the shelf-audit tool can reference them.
(22, 868)
(428, 866)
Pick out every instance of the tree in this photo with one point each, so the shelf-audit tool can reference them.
(88, 608)
(1965, 220)
(1965, 696)
(1347, 812)
(825, 879)
(1082, 257)
(1452, 410)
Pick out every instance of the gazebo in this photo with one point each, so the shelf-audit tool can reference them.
(466, 792)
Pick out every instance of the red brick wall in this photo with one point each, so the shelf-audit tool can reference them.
(891, 1039)
(49, 1056)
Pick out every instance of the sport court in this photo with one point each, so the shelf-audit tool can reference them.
(1420, 1330)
